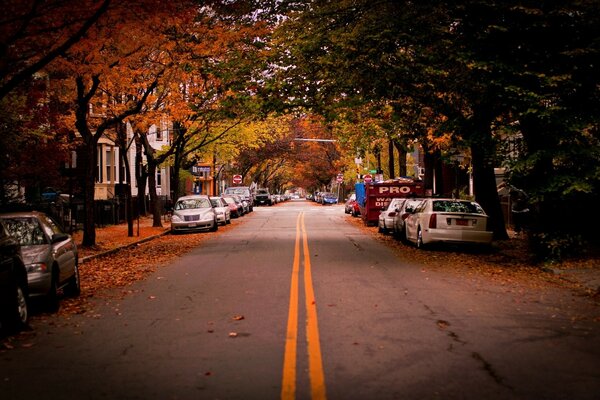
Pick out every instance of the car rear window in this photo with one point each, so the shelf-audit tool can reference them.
(457, 206)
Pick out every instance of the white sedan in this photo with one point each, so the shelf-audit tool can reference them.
(386, 217)
(447, 220)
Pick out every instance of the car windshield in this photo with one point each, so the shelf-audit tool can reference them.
(229, 200)
(187, 204)
(26, 230)
(215, 203)
(457, 206)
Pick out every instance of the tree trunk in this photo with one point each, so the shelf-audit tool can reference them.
(391, 159)
(125, 179)
(439, 173)
(484, 179)
(89, 206)
(141, 176)
(154, 203)
(401, 158)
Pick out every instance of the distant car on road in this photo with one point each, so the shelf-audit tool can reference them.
(447, 220)
(348, 205)
(14, 311)
(49, 255)
(263, 197)
(192, 213)
(328, 198)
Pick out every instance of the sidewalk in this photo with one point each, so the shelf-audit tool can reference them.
(112, 238)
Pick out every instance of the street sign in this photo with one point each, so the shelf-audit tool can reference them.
(237, 179)
(368, 178)
(340, 178)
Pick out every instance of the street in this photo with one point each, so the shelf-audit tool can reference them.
(295, 302)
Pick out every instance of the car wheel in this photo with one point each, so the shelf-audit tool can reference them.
(380, 229)
(215, 226)
(18, 314)
(420, 244)
(228, 220)
(73, 288)
(52, 303)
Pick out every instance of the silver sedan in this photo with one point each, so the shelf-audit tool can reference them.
(49, 255)
(193, 213)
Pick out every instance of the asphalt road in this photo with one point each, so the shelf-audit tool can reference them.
(295, 302)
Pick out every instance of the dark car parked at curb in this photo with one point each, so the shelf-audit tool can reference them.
(14, 311)
(49, 255)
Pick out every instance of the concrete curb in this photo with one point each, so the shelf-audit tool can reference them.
(117, 249)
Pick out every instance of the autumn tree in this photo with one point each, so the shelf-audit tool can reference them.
(113, 76)
(34, 33)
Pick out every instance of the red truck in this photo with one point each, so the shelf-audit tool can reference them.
(373, 197)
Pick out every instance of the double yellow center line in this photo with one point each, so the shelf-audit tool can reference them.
(315, 362)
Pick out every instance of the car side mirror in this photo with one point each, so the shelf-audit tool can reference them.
(59, 237)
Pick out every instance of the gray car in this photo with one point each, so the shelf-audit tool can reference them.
(49, 255)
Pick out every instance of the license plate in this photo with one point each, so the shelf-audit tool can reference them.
(462, 222)
(192, 225)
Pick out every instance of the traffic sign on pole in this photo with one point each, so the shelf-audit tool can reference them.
(368, 178)
(340, 178)
(237, 179)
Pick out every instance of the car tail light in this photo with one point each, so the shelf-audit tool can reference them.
(433, 221)
(405, 215)
(392, 214)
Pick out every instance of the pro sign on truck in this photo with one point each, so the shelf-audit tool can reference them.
(373, 197)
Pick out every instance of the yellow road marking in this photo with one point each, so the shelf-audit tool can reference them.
(288, 387)
(315, 362)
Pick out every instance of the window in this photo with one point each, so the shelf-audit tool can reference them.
(158, 177)
(109, 176)
(159, 134)
(99, 168)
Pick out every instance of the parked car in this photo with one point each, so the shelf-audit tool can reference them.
(49, 254)
(244, 192)
(355, 209)
(447, 220)
(242, 205)
(263, 197)
(221, 209)
(349, 201)
(402, 213)
(234, 207)
(329, 198)
(14, 311)
(192, 213)
(386, 217)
